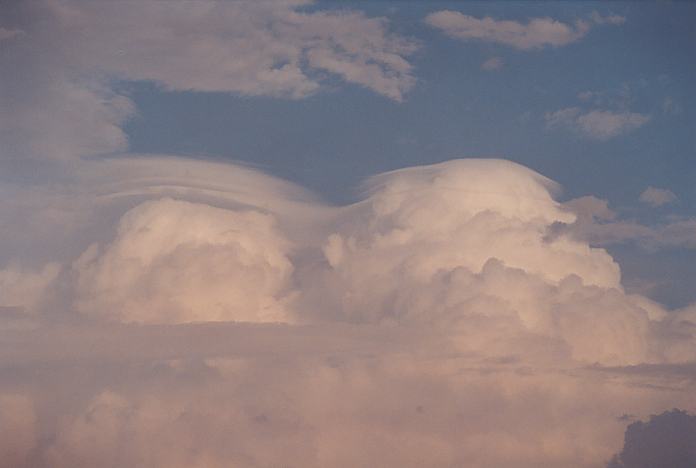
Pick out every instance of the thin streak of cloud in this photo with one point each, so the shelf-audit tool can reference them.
(537, 33)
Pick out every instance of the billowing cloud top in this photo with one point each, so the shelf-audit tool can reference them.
(406, 316)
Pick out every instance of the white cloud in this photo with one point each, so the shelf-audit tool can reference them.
(20, 288)
(493, 63)
(253, 48)
(535, 34)
(18, 430)
(60, 70)
(227, 251)
(436, 316)
(175, 261)
(657, 196)
(596, 124)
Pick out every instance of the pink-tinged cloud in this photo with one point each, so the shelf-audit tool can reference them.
(204, 314)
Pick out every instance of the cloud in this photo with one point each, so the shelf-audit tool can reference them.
(608, 19)
(18, 430)
(22, 288)
(588, 95)
(62, 68)
(248, 48)
(175, 261)
(657, 197)
(671, 107)
(600, 226)
(537, 33)
(163, 248)
(172, 312)
(599, 125)
(493, 63)
(207, 314)
(667, 439)
(6, 33)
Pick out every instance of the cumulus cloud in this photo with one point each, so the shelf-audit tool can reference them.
(24, 288)
(175, 261)
(535, 34)
(596, 124)
(168, 312)
(657, 197)
(18, 430)
(62, 66)
(435, 321)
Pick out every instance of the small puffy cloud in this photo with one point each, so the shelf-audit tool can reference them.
(657, 196)
(535, 34)
(493, 63)
(596, 124)
(666, 439)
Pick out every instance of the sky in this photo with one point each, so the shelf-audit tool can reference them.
(299, 233)
(459, 108)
